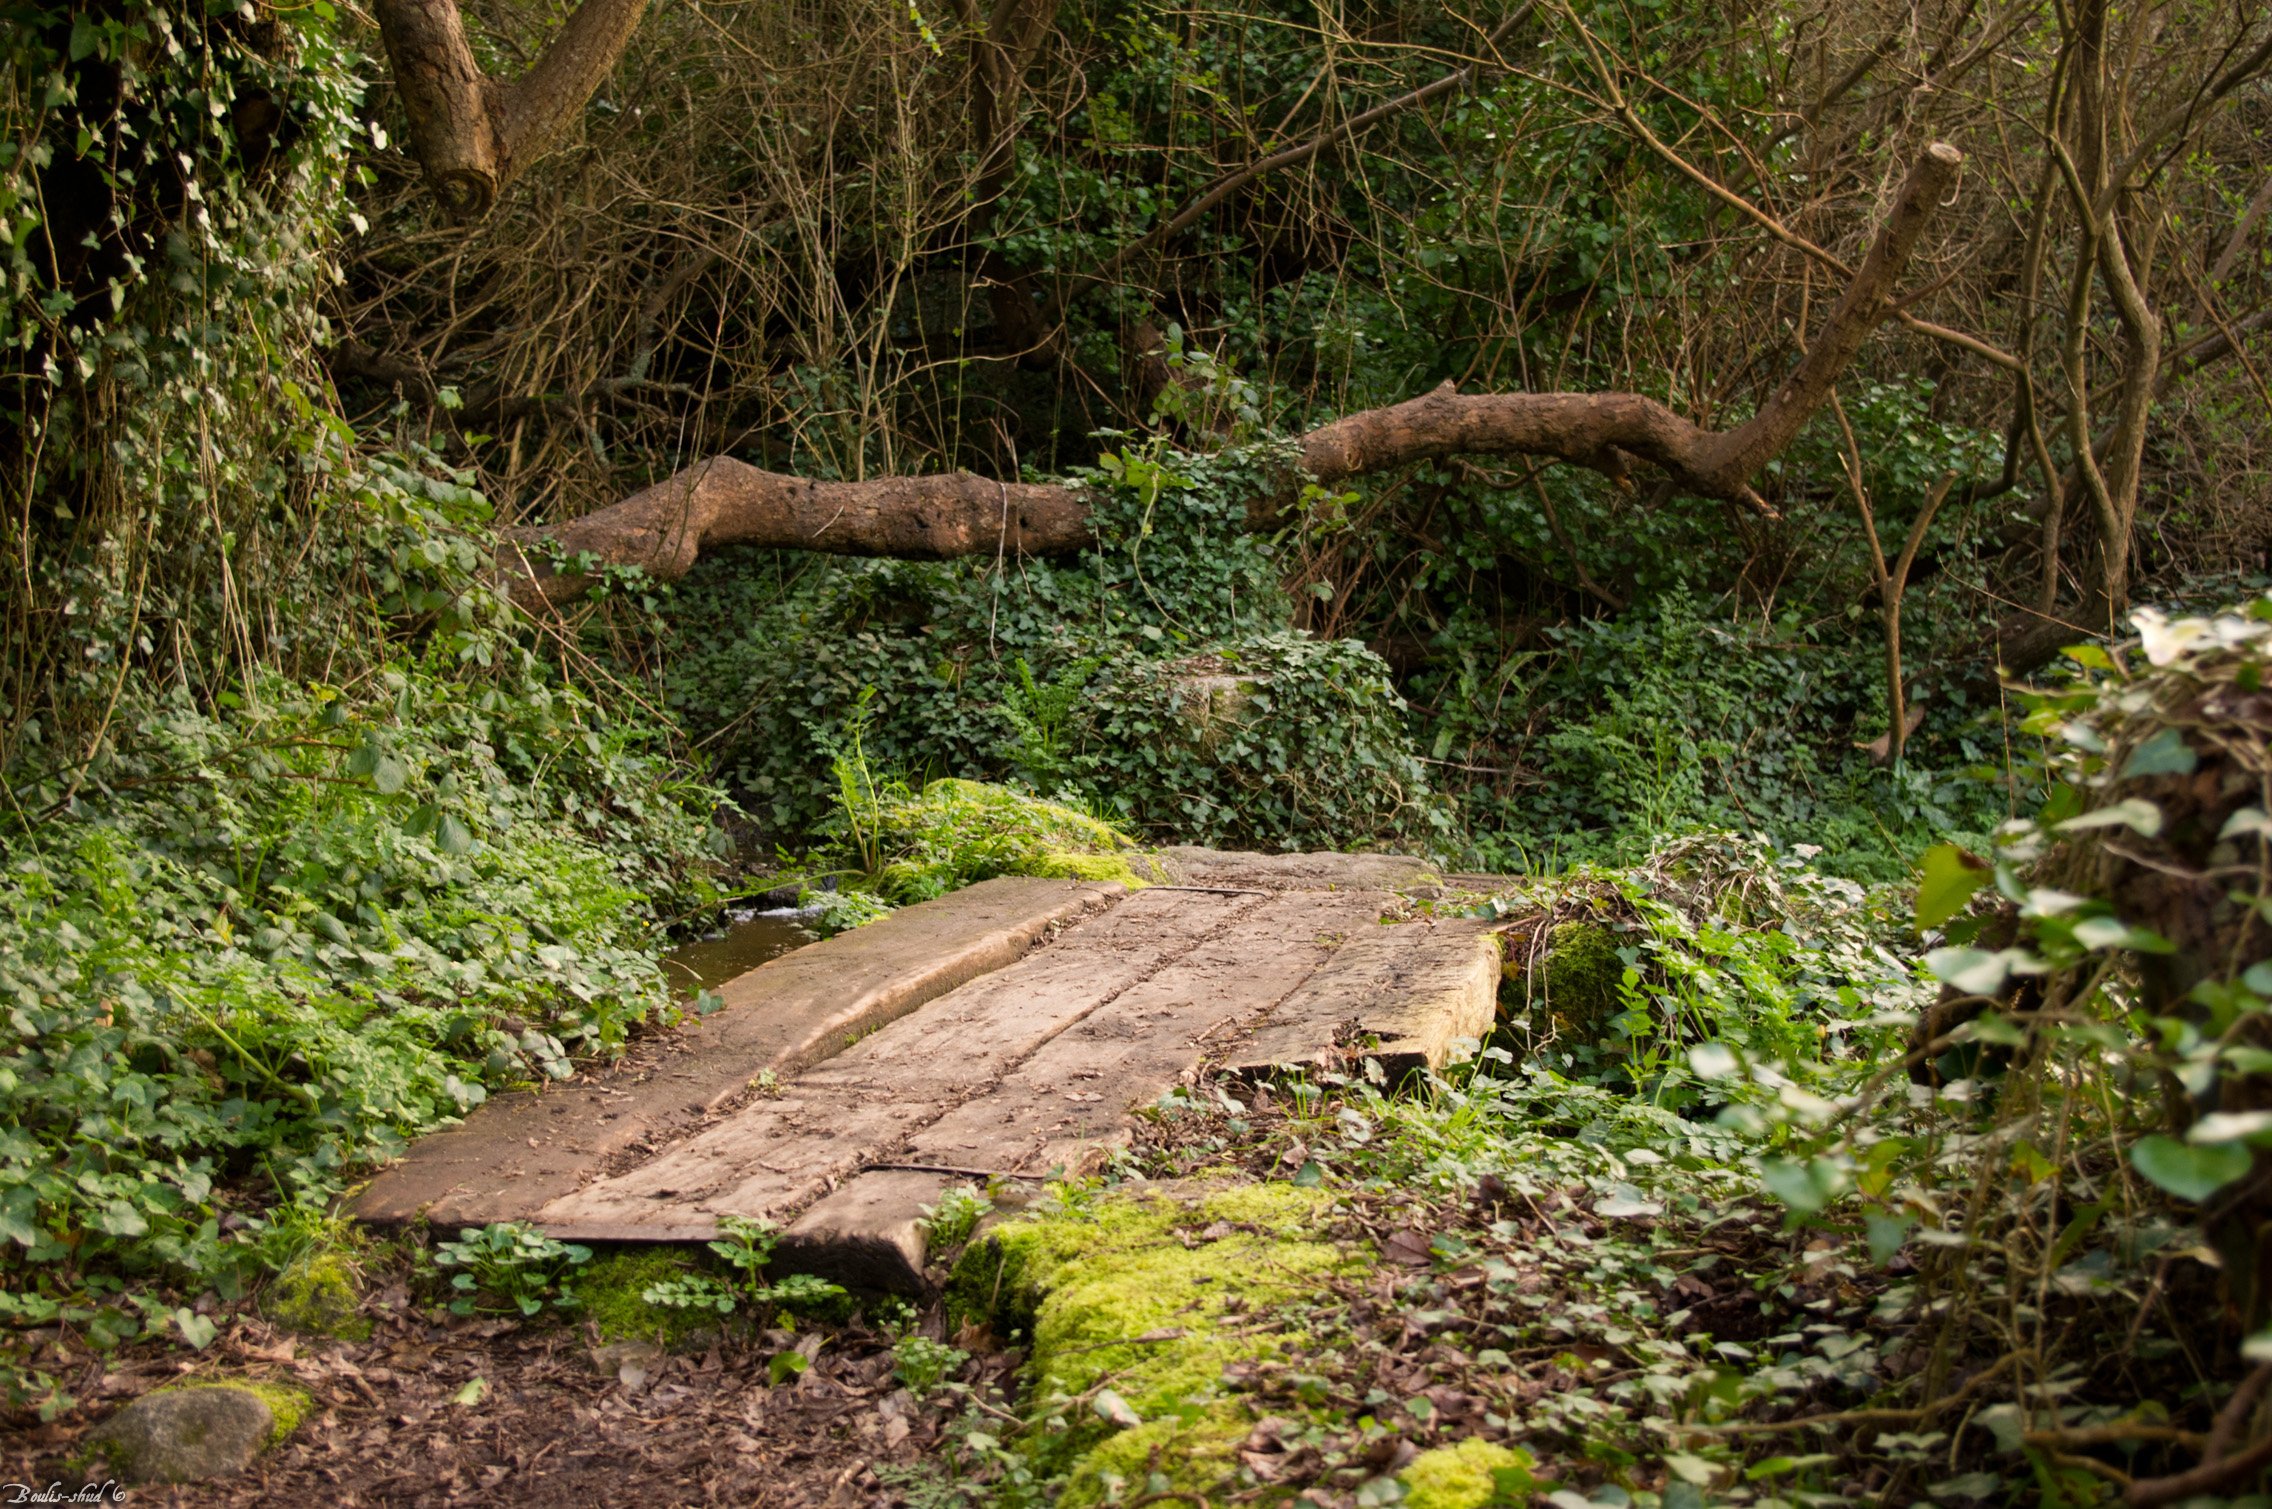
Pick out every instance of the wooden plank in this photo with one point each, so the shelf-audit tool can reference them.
(1070, 1103)
(868, 1235)
(1063, 1109)
(776, 1155)
(519, 1151)
(1402, 994)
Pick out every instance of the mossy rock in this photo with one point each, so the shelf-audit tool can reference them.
(194, 1432)
(1574, 980)
(1109, 1292)
(1473, 1474)
(319, 1294)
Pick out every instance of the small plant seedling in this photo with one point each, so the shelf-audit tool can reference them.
(746, 1247)
(949, 1224)
(512, 1262)
(923, 1364)
(696, 1291)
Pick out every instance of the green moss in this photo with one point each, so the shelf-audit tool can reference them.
(1194, 1453)
(319, 1293)
(1471, 1475)
(609, 1292)
(1111, 1295)
(1060, 864)
(1577, 981)
(954, 832)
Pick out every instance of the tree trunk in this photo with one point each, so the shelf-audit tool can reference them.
(472, 135)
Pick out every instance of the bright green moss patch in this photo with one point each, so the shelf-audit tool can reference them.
(1192, 1452)
(609, 1292)
(319, 1294)
(1060, 864)
(955, 832)
(1111, 1295)
(1578, 979)
(1472, 1475)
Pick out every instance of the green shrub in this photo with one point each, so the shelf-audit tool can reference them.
(1072, 675)
(1278, 741)
(1672, 719)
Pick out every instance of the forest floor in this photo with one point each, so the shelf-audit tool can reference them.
(1383, 1362)
(551, 1427)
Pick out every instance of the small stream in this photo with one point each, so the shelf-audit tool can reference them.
(748, 940)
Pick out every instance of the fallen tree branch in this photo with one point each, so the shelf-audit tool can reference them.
(664, 529)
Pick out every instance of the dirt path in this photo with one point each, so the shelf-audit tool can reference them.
(550, 1428)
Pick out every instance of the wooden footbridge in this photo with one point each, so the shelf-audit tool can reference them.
(1010, 1030)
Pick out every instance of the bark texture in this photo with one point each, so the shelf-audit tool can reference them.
(473, 135)
(664, 529)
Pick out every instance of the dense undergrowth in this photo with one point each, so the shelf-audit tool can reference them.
(252, 951)
(1153, 678)
(1713, 1219)
(306, 841)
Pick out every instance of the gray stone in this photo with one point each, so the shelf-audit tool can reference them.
(630, 1362)
(185, 1435)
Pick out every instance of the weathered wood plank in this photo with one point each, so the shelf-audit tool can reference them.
(1065, 1108)
(868, 1234)
(1401, 994)
(1070, 1103)
(777, 1155)
(519, 1151)
(1296, 872)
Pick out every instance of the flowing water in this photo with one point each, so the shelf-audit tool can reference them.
(748, 940)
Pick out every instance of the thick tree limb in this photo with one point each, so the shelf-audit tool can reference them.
(471, 134)
(665, 528)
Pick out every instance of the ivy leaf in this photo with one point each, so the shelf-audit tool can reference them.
(453, 835)
(1804, 1187)
(2244, 823)
(388, 774)
(2135, 813)
(1975, 971)
(2096, 933)
(2165, 753)
(2220, 1127)
(1114, 1410)
(195, 1329)
(1946, 880)
(2188, 1172)
(1886, 1236)
(19, 1217)
(119, 1219)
